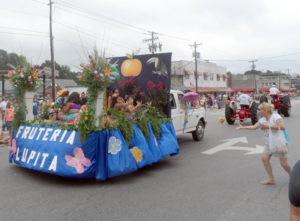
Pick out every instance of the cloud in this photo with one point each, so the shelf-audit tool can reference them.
(229, 30)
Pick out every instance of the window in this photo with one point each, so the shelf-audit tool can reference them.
(211, 77)
(172, 102)
(181, 101)
(186, 76)
(224, 79)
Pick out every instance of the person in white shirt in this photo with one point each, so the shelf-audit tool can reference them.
(274, 90)
(3, 108)
(270, 122)
(244, 99)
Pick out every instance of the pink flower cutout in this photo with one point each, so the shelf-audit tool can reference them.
(160, 86)
(78, 161)
(150, 85)
(13, 147)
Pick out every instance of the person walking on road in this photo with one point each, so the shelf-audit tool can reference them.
(274, 122)
(294, 193)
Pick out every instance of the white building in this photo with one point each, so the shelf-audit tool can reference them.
(211, 77)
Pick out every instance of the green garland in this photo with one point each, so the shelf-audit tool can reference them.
(23, 79)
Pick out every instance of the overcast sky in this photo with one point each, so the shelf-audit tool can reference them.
(232, 32)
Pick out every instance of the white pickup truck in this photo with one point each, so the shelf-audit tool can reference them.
(196, 116)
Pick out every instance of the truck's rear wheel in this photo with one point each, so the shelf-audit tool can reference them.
(198, 134)
(284, 109)
(229, 114)
(254, 115)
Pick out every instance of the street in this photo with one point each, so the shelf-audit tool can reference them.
(201, 183)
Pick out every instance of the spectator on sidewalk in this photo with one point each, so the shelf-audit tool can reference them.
(9, 117)
(3, 105)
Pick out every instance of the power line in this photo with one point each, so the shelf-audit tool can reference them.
(22, 29)
(20, 33)
(279, 56)
(93, 16)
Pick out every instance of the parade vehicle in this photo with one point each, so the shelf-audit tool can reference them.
(187, 121)
(95, 143)
(281, 102)
(234, 111)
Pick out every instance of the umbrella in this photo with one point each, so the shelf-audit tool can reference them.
(191, 96)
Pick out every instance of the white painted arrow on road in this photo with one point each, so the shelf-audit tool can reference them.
(228, 145)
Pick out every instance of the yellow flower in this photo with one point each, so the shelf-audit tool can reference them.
(137, 154)
(221, 120)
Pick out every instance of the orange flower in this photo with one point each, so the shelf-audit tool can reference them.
(86, 117)
(107, 72)
(36, 75)
(85, 107)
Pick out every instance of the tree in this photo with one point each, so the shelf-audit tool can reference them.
(64, 71)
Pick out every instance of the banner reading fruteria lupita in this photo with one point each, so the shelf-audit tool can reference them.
(55, 151)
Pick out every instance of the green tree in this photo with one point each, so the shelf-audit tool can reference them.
(64, 71)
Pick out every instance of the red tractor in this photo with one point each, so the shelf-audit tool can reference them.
(281, 102)
(234, 111)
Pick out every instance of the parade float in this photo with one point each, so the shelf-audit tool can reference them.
(100, 142)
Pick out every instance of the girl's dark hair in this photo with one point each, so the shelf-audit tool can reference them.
(74, 98)
(8, 105)
(114, 101)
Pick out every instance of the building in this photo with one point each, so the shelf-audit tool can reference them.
(259, 82)
(211, 77)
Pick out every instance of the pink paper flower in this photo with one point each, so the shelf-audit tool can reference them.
(97, 76)
(90, 56)
(78, 161)
(150, 85)
(160, 86)
(91, 65)
(94, 61)
(13, 147)
(81, 65)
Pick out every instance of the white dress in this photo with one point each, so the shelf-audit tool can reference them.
(272, 122)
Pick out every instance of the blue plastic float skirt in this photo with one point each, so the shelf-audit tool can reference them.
(104, 154)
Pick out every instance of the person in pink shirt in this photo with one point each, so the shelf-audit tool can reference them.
(9, 117)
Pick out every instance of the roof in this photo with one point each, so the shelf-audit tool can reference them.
(61, 83)
(211, 89)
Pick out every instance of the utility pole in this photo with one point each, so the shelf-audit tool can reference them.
(196, 55)
(252, 70)
(52, 53)
(153, 45)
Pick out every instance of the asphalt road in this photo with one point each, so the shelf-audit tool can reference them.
(190, 186)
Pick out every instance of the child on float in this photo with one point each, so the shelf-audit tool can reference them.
(129, 104)
(72, 107)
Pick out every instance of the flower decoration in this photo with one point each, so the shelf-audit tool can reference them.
(137, 154)
(26, 78)
(78, 161)
(13, 147)
(114, 145)
(98, 72)
(157, 95)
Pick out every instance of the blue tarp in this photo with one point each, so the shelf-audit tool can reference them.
(104, 154)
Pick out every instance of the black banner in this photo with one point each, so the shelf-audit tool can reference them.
(151, 75)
